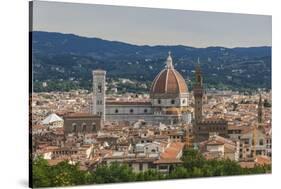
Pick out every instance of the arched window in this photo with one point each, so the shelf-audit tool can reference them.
(94, 127)
(74, 127)
(116, 111)
(172, 101)
(131, 110)
(145, 110)
(159, 101)
(99, 88)
(261, 142)
(84, 125)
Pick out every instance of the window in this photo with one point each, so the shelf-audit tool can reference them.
(183, 101)
(93, 127)
(173, 101)
(84, 127)
(116, 111)
(261, 142)
(131, 110)
(145, 110)
(99, 88)
(141, 167)
(74, 127)
(163, 167)
(159, 101)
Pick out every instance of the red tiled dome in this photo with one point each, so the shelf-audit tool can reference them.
(169, 81)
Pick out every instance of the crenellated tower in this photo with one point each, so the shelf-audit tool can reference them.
(198, 92)
(260, 111)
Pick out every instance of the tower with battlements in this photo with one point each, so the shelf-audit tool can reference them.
(198, 94)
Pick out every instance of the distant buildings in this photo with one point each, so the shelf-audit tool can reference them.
(217, 147)
(53, 121)
(151, 131)
(82, 123)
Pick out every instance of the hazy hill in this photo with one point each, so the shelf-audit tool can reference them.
(70, 58)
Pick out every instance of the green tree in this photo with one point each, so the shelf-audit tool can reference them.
(179, 172)
(40, 173)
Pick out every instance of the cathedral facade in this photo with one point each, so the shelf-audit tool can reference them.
(168, 103)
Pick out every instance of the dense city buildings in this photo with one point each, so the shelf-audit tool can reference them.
(151, 131)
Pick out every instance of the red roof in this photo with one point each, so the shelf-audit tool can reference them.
(168, 81)
(172, 151)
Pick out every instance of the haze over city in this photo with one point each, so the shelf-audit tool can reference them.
(149, 26)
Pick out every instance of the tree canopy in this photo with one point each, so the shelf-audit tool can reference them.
(194, 165)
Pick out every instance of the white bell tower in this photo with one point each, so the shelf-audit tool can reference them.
(99, 93)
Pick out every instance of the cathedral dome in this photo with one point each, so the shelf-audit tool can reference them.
(168, 83)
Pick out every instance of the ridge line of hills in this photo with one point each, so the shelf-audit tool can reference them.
(68, 59)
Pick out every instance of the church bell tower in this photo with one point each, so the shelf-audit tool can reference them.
(99, 93)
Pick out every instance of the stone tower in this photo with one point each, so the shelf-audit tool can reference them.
(198, 94)
(99, 93)
(260, 111)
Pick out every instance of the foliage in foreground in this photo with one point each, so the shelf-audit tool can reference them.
(64, 174)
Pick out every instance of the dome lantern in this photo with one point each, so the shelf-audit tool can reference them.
(169, 61)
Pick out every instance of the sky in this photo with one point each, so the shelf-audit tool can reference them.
(151, 26)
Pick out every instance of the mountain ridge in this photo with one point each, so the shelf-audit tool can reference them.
(69, 57)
